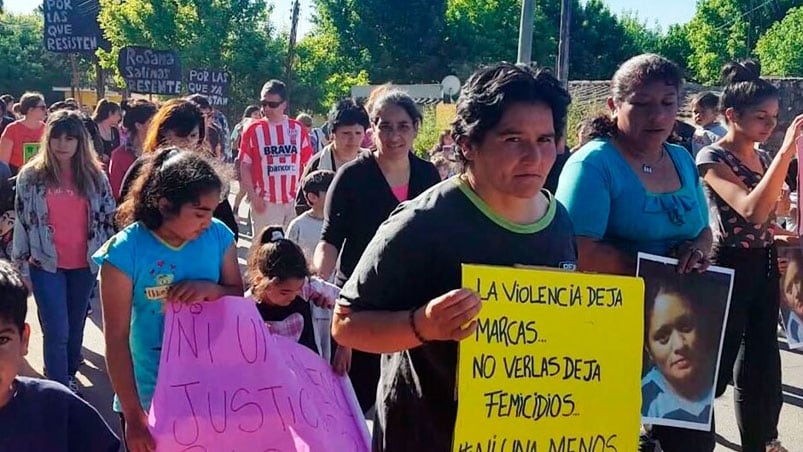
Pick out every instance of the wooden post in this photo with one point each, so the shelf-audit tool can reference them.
(76, 82)
(526, 31)
(100, 85)
(291, 47)
(565, 37)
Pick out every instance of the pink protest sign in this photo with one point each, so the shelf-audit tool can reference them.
(226, 383)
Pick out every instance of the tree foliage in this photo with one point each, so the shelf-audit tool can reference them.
(781, 48)
(717, 34)
(27, 66)
(415, 41)
(398, 41)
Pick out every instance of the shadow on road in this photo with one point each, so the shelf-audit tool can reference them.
(727, 444)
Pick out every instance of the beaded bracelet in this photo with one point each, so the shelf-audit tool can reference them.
(414, 328)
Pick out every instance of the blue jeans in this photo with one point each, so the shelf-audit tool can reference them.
(62, 299)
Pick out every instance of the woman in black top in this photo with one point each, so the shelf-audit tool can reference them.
(404, 298)
(362, 195)
(107, 116)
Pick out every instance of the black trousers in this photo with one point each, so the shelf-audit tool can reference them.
(750, 357)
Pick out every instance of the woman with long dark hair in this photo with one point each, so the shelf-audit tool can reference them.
(180, 123)
(107, 116)
(137, 117)
(743, 185)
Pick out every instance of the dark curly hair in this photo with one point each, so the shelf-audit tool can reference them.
(491, 90)
(180, 177)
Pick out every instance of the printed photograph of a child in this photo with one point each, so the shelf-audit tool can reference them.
(790, 263)
(684, 323)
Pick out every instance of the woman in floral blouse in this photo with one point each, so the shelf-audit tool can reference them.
(65, 209)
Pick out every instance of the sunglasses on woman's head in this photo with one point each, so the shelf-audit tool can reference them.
(272, 104)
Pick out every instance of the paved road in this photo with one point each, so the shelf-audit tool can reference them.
(97, 390)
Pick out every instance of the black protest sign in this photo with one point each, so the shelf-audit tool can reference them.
(212, 83)
(71, 26)
(150, 71)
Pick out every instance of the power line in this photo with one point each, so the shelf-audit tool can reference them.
(767, 2)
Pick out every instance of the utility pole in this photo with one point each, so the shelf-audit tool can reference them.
(100, 80)
(565, 37)
(526, 31)
(291, 45)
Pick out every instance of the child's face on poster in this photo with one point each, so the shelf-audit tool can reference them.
(673, 341)
(792, 287)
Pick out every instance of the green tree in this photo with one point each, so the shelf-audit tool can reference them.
(394, 41)
(781, 48)
(480, 32)
(717, 34)
(601, 42)
(27, 66)
(485, 31)
(228, 34)
(323, 76)
(675, 45)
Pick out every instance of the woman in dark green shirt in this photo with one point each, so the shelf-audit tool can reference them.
(404, 297)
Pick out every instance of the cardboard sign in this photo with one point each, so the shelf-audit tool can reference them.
(71, 26)
(554, 364)
(150, 71)
(226, 383)
(212, 83)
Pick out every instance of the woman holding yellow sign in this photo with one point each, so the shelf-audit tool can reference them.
(630, 191)
(404, 298)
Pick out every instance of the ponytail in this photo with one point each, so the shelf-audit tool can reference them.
(275, 258)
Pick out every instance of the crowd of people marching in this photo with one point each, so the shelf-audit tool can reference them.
(365, 240)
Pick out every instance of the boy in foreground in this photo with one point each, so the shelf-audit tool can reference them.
(38, 415)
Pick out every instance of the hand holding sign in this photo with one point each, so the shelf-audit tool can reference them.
(449, 317)
(189, 291)
(137, 436)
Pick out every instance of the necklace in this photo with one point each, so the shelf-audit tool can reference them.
(647, 169)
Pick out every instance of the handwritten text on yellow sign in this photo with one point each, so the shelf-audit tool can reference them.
(554, 365)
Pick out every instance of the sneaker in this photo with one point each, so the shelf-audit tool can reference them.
(775, 446)
(72, 385)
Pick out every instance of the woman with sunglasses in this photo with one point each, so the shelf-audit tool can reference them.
(21, 139)
(363, 194)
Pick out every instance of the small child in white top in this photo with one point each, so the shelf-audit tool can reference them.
(705, 112)
(305, 231)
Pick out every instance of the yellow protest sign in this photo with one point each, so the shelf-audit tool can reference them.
(555, 364)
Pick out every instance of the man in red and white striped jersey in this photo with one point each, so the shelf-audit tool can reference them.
(273, 152)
